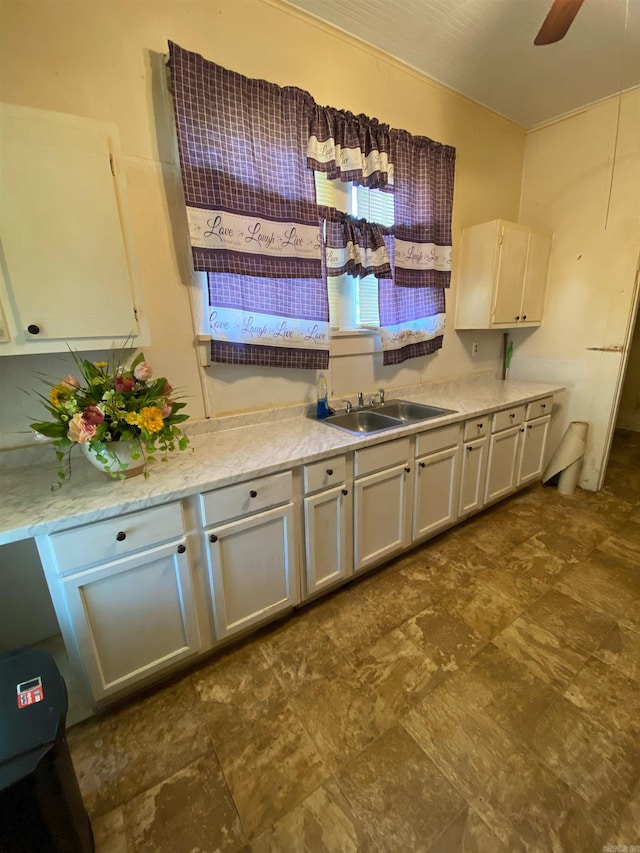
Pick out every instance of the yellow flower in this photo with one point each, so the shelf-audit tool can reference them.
(100, 363)
(150, 418)
(132, 418)
(55, 394)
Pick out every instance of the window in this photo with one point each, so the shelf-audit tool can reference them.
(353, 302)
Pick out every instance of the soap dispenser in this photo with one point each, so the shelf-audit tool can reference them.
(323, 398)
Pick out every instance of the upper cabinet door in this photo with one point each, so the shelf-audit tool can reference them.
(535, 277)
(508, 293)
(68, 267)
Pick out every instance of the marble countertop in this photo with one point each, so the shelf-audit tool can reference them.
(219, 457)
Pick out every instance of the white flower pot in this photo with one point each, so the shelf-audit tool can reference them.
(118, 454)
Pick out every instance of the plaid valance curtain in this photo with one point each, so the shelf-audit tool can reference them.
(252, 213)
(265, 244)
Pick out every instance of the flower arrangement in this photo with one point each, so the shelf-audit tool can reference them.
(112, 403)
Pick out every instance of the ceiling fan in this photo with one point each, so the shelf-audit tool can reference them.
(558, 20)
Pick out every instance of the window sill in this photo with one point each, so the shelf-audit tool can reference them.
(346, 342)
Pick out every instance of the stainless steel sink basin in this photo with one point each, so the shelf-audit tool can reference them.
(363, 421)
(409, 412)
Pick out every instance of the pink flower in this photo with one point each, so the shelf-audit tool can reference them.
(79, 430)
(69, 383)
(92, 416)
(167, 389)
(124, 383)
(142, 371)
(167, 409)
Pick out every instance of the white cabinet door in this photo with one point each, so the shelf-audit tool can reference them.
(133, 617)
(381, 514)
(253, 569)
(534, 440)
(473, 475)
(502, 465)
(326, 517)
(508, 293)
(435, 504)
(535, 278)
(70, 271)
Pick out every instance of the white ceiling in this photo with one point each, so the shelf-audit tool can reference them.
(484, 48)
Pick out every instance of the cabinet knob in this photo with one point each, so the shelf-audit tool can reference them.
(469, 448)
(529, 426)
(329, 472)
(518, 317)
(121, 536)
(408, 470)
(213, 538)
(522, 429)
(423, 464)
(524, 316)
(253, 494)
(480, 426)
(345, 492)
(181, 549)
(512, 415)
(33, 329)
(543, 405)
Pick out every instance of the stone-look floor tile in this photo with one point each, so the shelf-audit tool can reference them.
(621, 649)
(445, 639)
(299, 651)
(608, 695)
(536, 559)
(267, 756)
(353, 622)
(108, 832)
(507, 691)
(465, 744)
(602, 765)
(561, 545)
(519, 586)
(585, 526)
(341, 713)
(93, 753)
(627, 831)
(531, 810)
(157, 736)
(554, 637)
(324, 822)
(605, 582)
(398, 794)
(190, 810)
(486, 610)
(468, 834)
(398, 670)
(454, 550)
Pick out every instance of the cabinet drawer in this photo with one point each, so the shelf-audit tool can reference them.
(246, 498)
(539, 408)
(381, 456)
(116, 537)
(323, 474)
(437, 439)
(476, 427)
(507, 418)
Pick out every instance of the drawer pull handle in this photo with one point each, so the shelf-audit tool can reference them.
(543, 405)
(213, 538)
(345, 492)
(529, 426)
(181, 549)
(512, 414)
(329, 472)
(121, 536)
(253, 494)
(408, 470)
(423, 464)
(33, 329)
(480, 426)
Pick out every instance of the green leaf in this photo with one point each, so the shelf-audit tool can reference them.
(49, 429)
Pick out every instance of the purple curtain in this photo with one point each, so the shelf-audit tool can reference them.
(351, 147)
(252, 213)
(354, 246)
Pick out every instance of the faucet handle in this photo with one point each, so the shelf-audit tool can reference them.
(381, 392)
(360, 400)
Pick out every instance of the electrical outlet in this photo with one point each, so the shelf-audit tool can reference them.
(474, 348)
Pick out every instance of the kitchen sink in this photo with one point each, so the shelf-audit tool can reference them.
(408, 412)
(363, 421)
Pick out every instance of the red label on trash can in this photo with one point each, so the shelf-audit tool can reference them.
(30, 692)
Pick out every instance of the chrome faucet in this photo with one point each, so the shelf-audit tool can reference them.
(349, 407)
(379, 395)
(360, 400)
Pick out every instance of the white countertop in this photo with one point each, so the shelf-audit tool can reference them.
(217, 458)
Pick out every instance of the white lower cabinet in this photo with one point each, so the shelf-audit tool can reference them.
(253, 565)
(534, 439)
(133, 618)
(502, 474)
(436, 481)
(382, 502)
(473, 475)
(125, 604)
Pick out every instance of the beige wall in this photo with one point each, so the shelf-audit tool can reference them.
(574, 186)
(104, 60)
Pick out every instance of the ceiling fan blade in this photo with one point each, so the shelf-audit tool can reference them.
(558, 20)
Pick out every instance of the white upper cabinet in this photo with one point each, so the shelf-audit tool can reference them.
(502, 276)
(68, 273)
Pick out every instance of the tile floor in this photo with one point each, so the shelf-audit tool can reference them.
(481, 693)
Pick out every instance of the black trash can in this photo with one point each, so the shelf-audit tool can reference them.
(41, 808)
